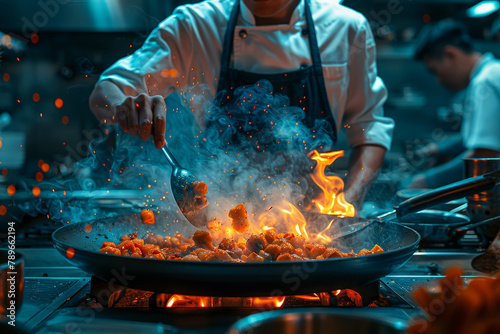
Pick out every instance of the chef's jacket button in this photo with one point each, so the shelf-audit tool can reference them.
(243, 33)
(305, 31)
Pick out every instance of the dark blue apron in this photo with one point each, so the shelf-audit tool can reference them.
(304, 87)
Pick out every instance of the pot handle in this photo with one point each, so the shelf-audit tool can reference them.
(445, 194)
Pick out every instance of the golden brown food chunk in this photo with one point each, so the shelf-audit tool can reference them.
(200, 189)
(108, 244)
(295, 257)
(377, 249)
(284, 257)
(239, 218)
(166, 242)
(129, 236)
(110, 250)
(203, 239)
(273, 250)
(147, 217)
(191, 258)
(331, 253)
(300, 252)
(364, 251)
(286, 248)
(214, 224)
(255, 258)
(297, 241)
(128, 245)
(221, 255)
(270, 236)
(317, 251)
(266, 256)
(152, 238)
(256, 243)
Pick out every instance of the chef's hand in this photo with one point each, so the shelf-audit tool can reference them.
(138, 114)
(143, 116)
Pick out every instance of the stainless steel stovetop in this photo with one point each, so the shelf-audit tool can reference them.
(54, 292)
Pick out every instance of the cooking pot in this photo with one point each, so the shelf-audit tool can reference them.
(486, 204)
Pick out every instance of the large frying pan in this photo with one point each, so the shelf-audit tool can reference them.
(82, 242)
(235, 279)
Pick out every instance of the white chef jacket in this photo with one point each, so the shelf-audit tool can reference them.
(480, 128)
(190, 41)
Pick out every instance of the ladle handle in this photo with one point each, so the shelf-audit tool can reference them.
(170, 157)
(444, 194)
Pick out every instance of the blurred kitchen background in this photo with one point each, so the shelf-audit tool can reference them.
(53, 52)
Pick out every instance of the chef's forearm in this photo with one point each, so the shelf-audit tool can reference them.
(364, 164)
(105, 96)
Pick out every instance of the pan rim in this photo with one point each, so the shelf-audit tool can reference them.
(229, 264)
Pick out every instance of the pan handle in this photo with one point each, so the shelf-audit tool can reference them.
(445, 194)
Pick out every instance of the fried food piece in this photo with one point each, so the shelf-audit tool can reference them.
(232, 247)
(254, 258)
(239, 218)
(203, 239)
(273, 250)
(363, 252)
(130, 236)
(147, 217)
(317, 251)
(200, 189)
(110, 250)
(166, 242)
(152, 238)
(128, 245)
(256, 243)
(284, 257)
(270, 236)
(300, 252)
(331, 253)
(287, 248)
(191, 257)
(108, 244)
(214, 224)
(221, 255)
(377, 249)
(297, 241)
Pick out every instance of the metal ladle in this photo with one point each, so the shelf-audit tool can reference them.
(181, 181)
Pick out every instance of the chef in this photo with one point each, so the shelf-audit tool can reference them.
(447, 51)
(312, 48)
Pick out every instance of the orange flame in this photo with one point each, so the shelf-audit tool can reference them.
(268, 302)
(332, 200)
(188, 301)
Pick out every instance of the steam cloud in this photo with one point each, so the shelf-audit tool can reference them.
(259, 166)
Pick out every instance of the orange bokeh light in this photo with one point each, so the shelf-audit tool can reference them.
(427, 18)
(88, 228)
(173, 72)
(5, 171)
(59, 103)
(11, 190)
(65, 120)
(34, 38)
(70, 253)
(36, 191)
(45, 167)
(3, 210)
(6, 77)
(39, 176)
(36, 97)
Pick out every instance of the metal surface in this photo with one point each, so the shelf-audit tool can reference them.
(317, 321)
(181, 182)
(235, 279)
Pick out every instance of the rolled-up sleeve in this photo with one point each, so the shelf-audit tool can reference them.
(157, 66)
(364, 118)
